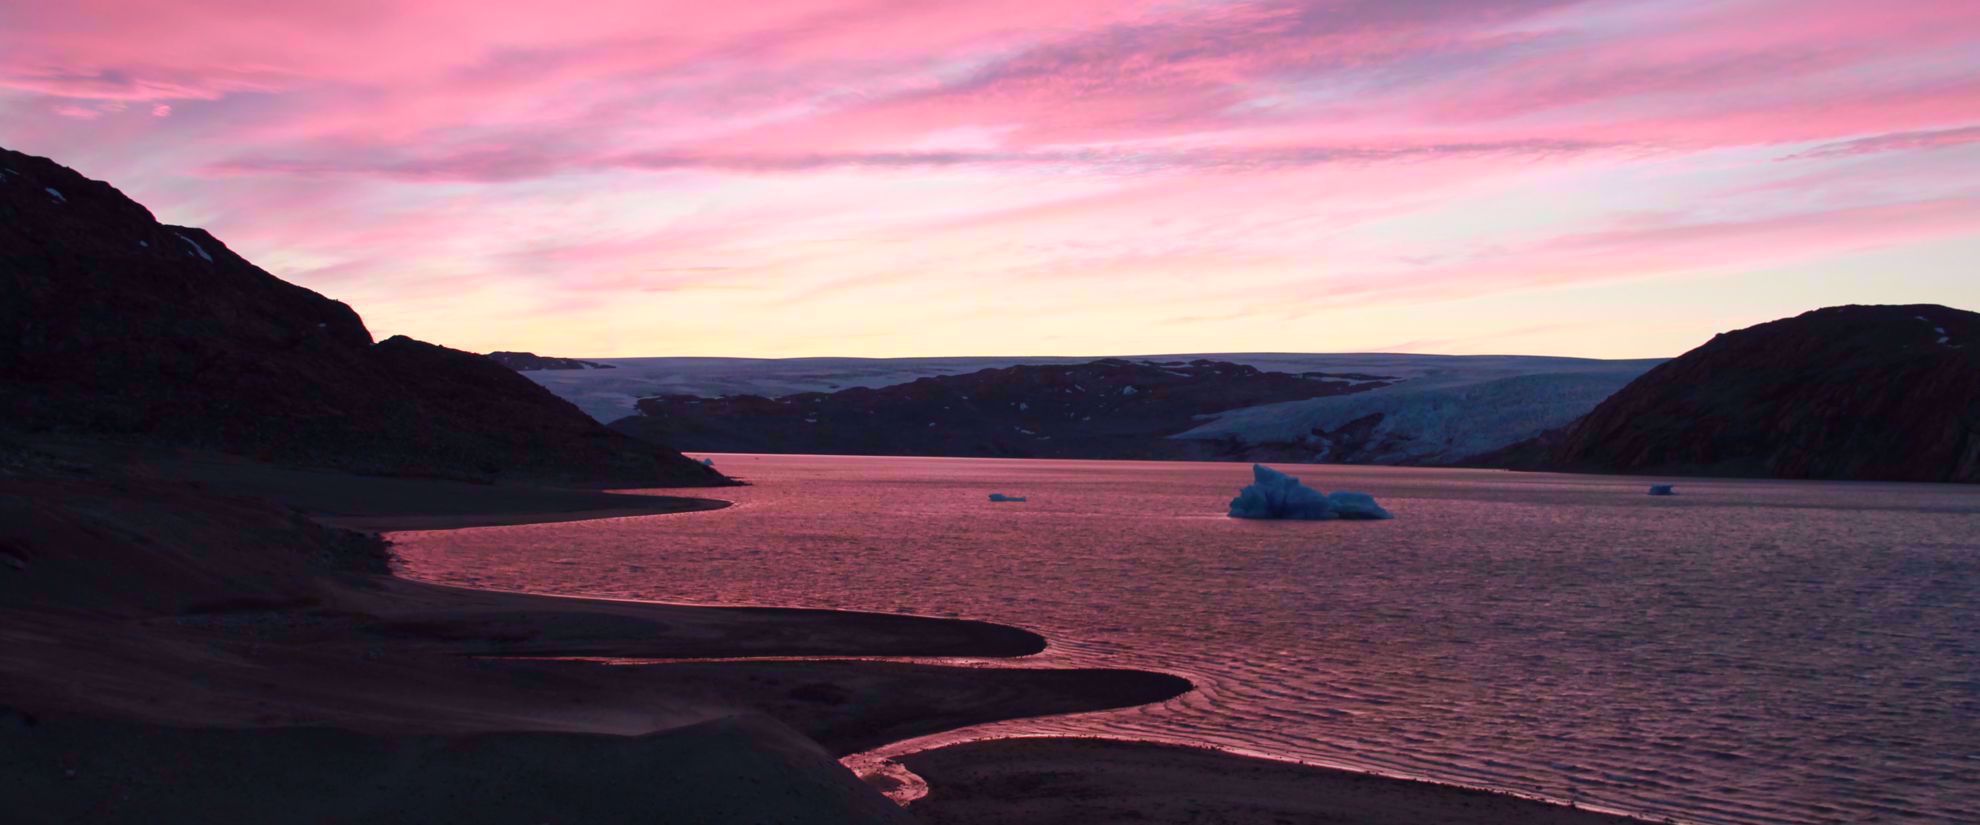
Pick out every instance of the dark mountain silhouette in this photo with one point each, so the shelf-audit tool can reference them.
(1855, 392)
(113, 324)
(529, 362)
(1111, 408)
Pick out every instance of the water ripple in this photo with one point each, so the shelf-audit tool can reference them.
(1760, 652)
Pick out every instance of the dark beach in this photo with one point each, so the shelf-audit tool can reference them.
(245, 682)
(173, 653)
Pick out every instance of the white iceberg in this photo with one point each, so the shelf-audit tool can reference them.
(1275, 495)
(1002, 497)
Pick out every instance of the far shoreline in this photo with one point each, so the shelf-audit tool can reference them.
(413, 522)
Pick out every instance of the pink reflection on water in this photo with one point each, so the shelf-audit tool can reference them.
(1747, 652)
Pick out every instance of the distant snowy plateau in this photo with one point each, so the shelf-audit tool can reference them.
(1382, 408)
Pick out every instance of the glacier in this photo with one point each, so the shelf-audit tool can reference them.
(1431, 415)
(1275, 495)
(1444, 410)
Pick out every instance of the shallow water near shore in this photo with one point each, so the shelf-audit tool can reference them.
(1745, 651)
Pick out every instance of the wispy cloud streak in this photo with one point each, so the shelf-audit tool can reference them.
(563, 176)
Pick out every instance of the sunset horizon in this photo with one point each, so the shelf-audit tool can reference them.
(989, 412)
(838, 178)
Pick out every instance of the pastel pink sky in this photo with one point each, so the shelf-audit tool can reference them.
(906, 177)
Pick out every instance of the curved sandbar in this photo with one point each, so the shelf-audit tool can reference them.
(1049, 781)
(186, 650)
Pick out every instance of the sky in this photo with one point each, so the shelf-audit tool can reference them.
(1603, 178)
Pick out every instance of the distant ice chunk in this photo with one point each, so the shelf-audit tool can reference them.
(196, 248)
(1002, 497)
(708, 462)
(57, 195)
(1663, 489)
(1275, 495)
(1129, 390)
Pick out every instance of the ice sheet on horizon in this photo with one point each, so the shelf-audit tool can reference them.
(1275, 495)
(608, 395)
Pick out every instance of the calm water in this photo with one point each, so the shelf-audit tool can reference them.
(1745, 652)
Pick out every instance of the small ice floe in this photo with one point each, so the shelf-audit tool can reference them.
(1663, 489)
(196, 248)
(144, 244)
(56, 195)
(1275, 495)
(1129, 390)
(1002, 497)
(708, 462)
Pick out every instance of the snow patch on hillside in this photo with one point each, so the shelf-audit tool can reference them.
(196, 248)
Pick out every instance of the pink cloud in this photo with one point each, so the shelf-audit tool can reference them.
(1894, 142)
(1645, 246)
(566, 153)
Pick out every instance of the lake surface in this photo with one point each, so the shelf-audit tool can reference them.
(1746, 651)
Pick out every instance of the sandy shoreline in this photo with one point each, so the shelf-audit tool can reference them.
(1046, 781)
(181, 640)
(659, 506)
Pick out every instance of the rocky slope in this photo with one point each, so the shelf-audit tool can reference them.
(117, 325)
(1111, 408)
(1855, 392)
(531, 362)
